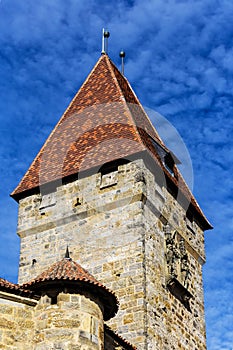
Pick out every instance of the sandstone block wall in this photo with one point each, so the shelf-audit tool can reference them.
(170, 323)
(75, 322)
(16, 322)
(114, 226)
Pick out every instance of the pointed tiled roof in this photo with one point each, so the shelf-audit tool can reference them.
(65, 269)
(98, 114)
(104, 122)
(73, 276)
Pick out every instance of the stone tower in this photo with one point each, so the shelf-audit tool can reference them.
(105, 185)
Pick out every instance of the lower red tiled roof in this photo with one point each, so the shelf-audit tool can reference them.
(8, 285)
(13, 288)
(67, 270)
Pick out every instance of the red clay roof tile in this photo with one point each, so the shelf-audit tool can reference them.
(9, 285)
(13, 288)
(67, 270)
(64, 269)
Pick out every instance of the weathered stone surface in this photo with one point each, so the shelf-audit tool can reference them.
(55, 326)
(114, 226)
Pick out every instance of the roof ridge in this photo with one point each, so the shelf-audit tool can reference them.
(138, 103)
(56, 126)
(148, 119)
(110, 64)
(79, 90)
(35, 165)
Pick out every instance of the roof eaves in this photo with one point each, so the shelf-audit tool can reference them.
(16, 289)
(121, 341)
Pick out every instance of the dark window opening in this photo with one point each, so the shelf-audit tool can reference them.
(169, 163)
(167, 157)
(190, 216)
(54, 300)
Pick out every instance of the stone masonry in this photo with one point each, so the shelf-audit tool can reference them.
(75, 322)
(133, 235)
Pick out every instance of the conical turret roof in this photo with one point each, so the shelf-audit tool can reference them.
(69, 275)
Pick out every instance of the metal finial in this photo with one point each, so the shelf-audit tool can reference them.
(106, 34)
(122, 56)
(67, 255)
(105, 37)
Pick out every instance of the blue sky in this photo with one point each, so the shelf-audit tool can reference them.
(179, 60)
